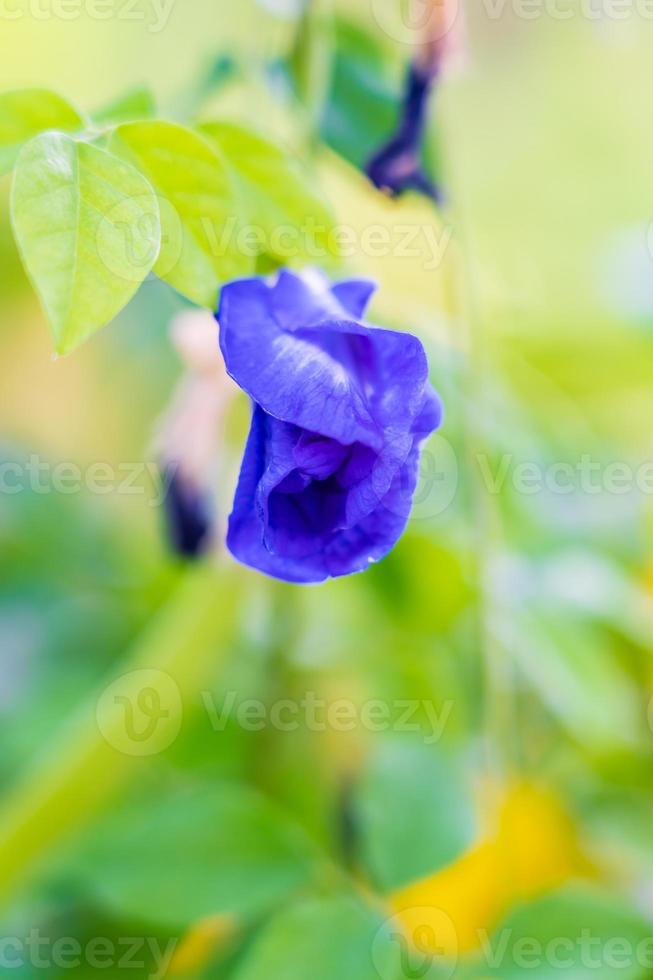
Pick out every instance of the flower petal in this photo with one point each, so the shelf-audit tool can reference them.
(340, 411)
(354, 295)
(389, 368)
(246, 531)
(429, 417)
(375, 536)
(303, 300)
(307, 298)
(293, 378)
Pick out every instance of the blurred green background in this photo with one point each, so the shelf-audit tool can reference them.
(505, 786)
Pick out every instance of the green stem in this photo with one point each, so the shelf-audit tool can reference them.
(499, 708)
(92, 756)
(312, 61)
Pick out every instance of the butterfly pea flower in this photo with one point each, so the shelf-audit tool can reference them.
(340, 411)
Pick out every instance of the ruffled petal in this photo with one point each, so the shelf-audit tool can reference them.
(303, 299)
(354, 295)
(375, 536)
(339, 378)
(247, 524)
(319, 457)
(429, 417)
(293, 532)
(368, 491)
(307, 298)
(389, 369)
(292, 377)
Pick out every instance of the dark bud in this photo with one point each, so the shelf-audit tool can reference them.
(188, 512)
(397, 166)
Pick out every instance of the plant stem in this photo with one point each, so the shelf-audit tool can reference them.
(499, 716)
(83, 765)
(312, 60)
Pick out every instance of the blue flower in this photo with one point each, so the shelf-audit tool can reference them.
(341, 409)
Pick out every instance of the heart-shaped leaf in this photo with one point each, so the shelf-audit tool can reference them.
(200, 207)
(87, 226)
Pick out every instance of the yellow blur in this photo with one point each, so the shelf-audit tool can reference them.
(532, 849)
(201, 942)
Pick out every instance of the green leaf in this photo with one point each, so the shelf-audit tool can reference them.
(137, 103)
(280, 198)
(364, 101)
(325, 940)
(363, 105)
(581, 933)
(25, 113)
(415, 814)
(87, 227)
(173, 858)
(200, 207)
